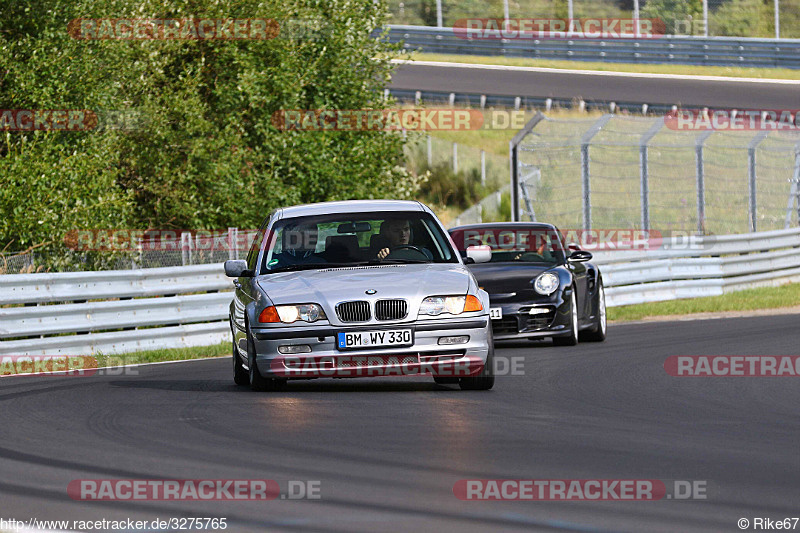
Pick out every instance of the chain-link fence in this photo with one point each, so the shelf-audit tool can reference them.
(635, 172)
(726, 18)
(111, 250)
(459, 175)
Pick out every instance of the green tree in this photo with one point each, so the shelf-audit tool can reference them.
(204, 153)
(679, 16)
(742, 18)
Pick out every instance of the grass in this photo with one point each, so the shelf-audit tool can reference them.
(615, 160)
(691, 70)
(167, 354)
(747, 300)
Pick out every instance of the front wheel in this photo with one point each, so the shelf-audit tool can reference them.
(598, 331)
(257, 381)
(240, 375)
(484, 380)
(572, 338)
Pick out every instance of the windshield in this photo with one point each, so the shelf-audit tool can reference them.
(352, 239)
(512, 244)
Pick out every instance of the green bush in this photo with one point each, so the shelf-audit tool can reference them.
(445, 188)
(206, 154)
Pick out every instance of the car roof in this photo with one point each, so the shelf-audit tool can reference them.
(350, 206)
(520, 225)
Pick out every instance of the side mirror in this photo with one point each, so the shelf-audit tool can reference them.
(573, 247)
(237, 268)
(579, 256)
(479, 254)
(469, 261)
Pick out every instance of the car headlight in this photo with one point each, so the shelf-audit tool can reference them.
(455, 305)
(546, 283)
(292, 313)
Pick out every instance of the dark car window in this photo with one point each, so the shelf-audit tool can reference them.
(512, 243)
(348, 239)
(255, 247)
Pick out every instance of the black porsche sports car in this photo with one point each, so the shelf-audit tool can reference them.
(538, 285)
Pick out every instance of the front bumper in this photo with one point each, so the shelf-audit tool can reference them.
(425, 356)
(544, 317)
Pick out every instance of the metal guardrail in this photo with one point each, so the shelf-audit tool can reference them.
(482, 101)
(710, 51)
(82, 313)
(113, 311)
(700, 266)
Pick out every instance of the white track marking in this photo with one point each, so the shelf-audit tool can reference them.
(597, 72)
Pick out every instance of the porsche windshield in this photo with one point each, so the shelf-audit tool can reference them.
(353, 239)
(512, 244)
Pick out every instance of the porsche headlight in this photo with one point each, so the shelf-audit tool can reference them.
(546, 284)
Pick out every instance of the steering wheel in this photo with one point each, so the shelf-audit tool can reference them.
(401, 247)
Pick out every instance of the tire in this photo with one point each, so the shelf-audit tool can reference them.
(240, 375)
(257, 381)
(598, 331)
(484, 380)
(572, 338)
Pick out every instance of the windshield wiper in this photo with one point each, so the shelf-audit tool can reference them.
(314, 266)
(402, 261)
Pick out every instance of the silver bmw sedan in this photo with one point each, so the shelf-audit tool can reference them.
(362, 288)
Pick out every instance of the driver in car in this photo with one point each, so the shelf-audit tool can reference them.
(398, 232)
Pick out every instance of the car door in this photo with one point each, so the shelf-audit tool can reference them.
(244, 293)
(579, 274)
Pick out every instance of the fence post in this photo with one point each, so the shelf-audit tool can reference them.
(455, 157)
(700, 171)
(794, 190)
(430, 152)
(513, 162)
(585, 179)
(232, 242)
(186, 243)
(751, 156)
(483, 167)
(643, 172)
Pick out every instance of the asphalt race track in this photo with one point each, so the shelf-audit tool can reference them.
(387, 452)
(618, 88)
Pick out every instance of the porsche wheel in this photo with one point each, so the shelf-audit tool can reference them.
(572, 338)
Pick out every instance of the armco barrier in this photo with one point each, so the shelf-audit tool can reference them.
(718, 51)
(129, 310)
(701, 266)
(114, 311)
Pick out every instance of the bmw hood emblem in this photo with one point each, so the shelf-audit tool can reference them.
(370, 291)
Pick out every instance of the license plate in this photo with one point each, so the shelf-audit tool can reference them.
(495, 313)
(373, 339)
